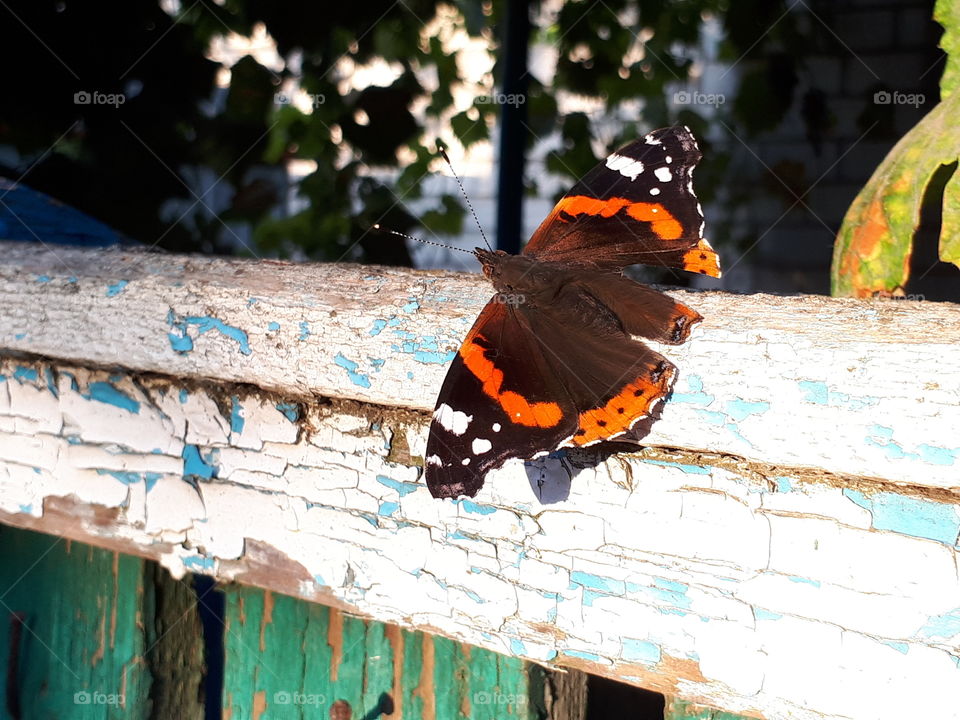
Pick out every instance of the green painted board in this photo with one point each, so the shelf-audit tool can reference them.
(80, 650)
(679, 710)
(288, 659)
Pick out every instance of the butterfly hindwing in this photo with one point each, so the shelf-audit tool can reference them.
(638, 206)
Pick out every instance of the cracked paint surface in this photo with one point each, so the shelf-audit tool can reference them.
(779, 594)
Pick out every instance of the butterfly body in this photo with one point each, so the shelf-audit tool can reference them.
(554, 358)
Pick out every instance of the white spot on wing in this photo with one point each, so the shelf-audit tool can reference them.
(434, 460)
(451, 420)
(663, 174)
(668, 159)
(465, 461)
(651, 140)
(496, 427)
(654, 191)
(480, 446)
(626, 166)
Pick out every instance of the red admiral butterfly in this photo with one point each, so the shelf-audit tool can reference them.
(551, 361)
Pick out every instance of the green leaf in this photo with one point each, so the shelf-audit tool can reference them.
(469, 126)
(873, 247)
(947, 13)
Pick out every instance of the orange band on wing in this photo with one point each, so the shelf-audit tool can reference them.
(518, 408)
(661, 221)
(702, 259)
(621, 411)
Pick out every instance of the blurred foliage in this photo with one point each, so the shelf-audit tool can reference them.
(873, 250)
(183, 164)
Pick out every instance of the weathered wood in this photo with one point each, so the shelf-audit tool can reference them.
(310, 658)
(55, 586)
(865, 388)
(787, 546)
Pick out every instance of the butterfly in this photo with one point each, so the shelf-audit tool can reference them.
(552, 360)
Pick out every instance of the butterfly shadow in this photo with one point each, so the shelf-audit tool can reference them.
(551, 476)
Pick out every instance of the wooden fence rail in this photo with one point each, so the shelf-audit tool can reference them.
(786, 545)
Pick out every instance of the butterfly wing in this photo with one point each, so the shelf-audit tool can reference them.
(500, 399)
(638, 206)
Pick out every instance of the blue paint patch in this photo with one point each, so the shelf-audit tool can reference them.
(712, 417)
(945, 626)
(25, 374)
(694, 394)
(182, 343)
(378, 326)
(106, 393)
(910, 516)
(351, 367)
(761, 614)
(184, 394)
(318, 579)
(195, 465)
(671, 585)
(199, 563)
(370, 518)
(817, 392)
(689, 469)
(472, 507)
(116, 288)
(304, 330)
(411, 306)
(582, 654)
(742, 409)
(290, 410)
(43, 278)
(597, 582)
(28, 508)
(938, 455)
(388, 508)
(805, 581)
(403, 488)
(784, 484)
(590, 595)
(473, 596)
(900, 647)
(517, 647)
(127, 478)
(150, 479)
(274, 326)
(236, 415)
(409, 375)
(51, 381)
(377, 363)
(19, 336)
(639, 651)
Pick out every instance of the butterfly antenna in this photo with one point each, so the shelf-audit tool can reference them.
(380, 228)
(443, 152)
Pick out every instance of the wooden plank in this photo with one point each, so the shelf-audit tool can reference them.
(853, 387)
(79, 650)
(287, 658)
(755, 589)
